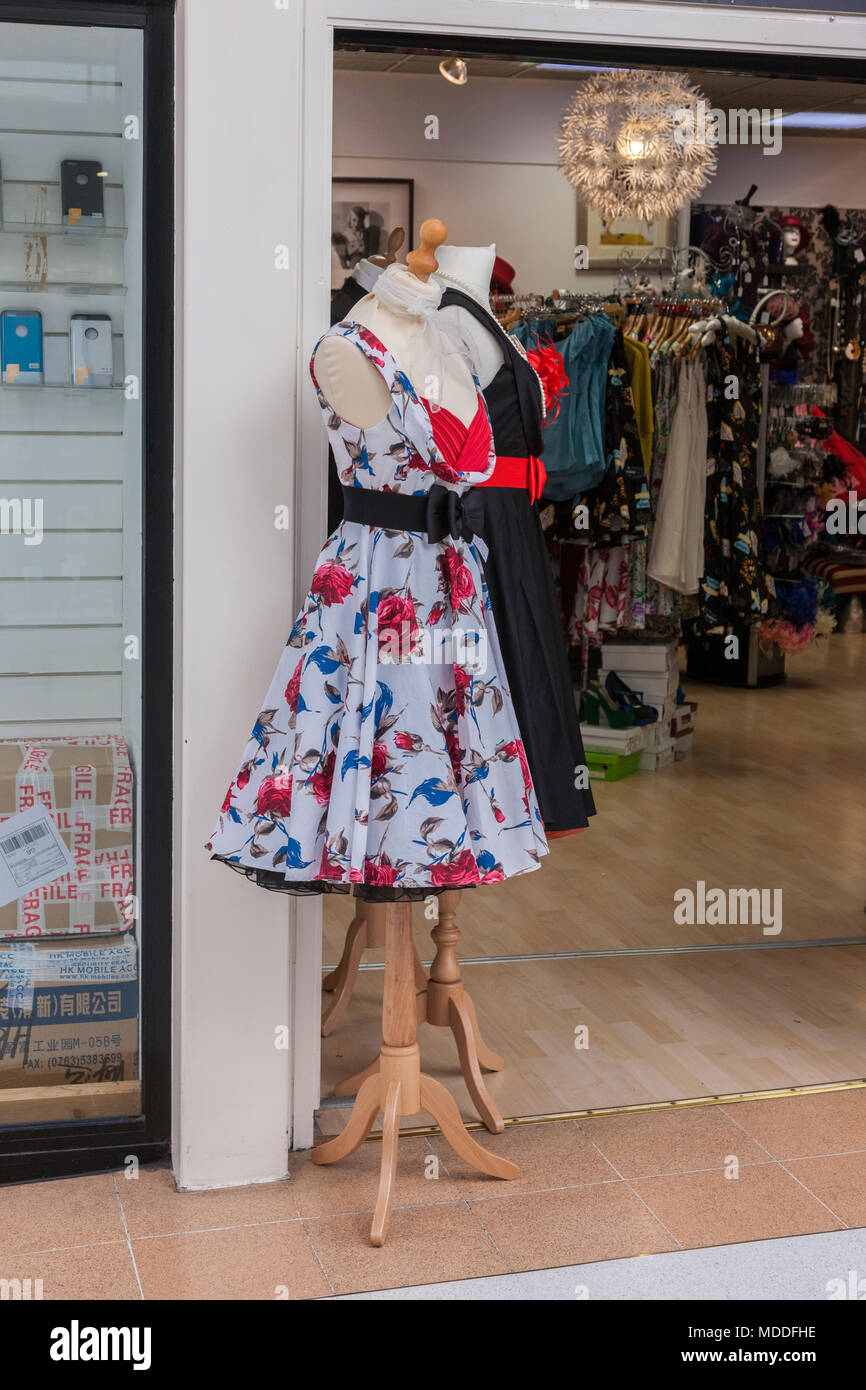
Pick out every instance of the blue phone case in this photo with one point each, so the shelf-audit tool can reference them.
(21, 348)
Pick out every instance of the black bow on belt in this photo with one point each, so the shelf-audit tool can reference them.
(440, 513)
(449, 514)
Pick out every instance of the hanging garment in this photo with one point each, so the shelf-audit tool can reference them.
(676, 556)
(522, 594)
(387, 756)
(620, 503)
(602, 587)
(638, 360)
(734, 588)
(575, 452)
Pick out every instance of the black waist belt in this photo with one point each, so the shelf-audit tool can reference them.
(439, 514)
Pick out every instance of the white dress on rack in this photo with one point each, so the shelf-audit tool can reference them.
(676, 556)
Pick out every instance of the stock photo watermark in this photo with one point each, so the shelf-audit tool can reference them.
(408, 643)
(704, 124)
(720, 907)
(23, 516)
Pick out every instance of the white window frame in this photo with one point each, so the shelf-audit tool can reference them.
(285, 74)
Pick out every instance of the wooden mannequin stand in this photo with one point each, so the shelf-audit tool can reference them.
(441, 1000)
(366, 931)
(398, 1086)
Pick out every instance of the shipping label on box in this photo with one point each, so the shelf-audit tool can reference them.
(86, 786)
(68, 1012)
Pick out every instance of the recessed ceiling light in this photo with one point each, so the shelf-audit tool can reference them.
(824, 120)
(456, 70)
(570, 67)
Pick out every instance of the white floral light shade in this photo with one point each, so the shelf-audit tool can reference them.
(635, 144)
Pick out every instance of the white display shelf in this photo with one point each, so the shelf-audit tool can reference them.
(66, 387)
(73, 232)
(60, 287)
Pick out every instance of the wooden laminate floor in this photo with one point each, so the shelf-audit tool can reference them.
(772, 797)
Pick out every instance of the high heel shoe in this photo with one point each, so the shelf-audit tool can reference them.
(629, 699)
(601, 709)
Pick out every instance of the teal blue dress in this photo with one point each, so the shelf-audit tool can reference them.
(575, 455)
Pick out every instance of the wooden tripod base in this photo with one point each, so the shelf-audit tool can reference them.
(398, 1087)
(442, 1001)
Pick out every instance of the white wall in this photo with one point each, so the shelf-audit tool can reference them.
(492, 174)
(238, 142)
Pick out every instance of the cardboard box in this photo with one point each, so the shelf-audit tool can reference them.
(87, 784)
(653, 759)
(684, 717)
(68, 1012)
(646, 658)
(658, 733)
(622, 741)
(654, 687)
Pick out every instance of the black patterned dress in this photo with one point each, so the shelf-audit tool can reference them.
(735, 588)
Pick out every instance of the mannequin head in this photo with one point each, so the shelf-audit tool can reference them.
(468, 268)
(795, 238)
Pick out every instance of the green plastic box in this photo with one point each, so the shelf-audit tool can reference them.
(607, 766)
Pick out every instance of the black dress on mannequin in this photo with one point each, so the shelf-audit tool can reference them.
(344, 301)
(522, 593)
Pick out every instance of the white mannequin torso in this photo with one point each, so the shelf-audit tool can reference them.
(469, 268)
(355, 389)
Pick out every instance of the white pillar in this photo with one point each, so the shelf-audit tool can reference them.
(238, 98)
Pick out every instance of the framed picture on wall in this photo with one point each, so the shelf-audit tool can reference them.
(606, 238)
(364, 212)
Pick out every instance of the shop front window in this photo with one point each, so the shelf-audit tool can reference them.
(71, 651)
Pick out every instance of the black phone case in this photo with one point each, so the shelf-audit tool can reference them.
(86, 196)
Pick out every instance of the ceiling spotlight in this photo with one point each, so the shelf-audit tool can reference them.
(456, 70)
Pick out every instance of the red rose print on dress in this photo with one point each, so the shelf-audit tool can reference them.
(275, 795)
(293, 689)
(332, 583)
(330, 867)
(455, 752)
(494, 876)
(456, 872)
(379, 763)
(321, 782)
(398, 626)
(444, 471)
(462, 686)
(383, 875)
(408, 743)
(513, 750)
(455, 578)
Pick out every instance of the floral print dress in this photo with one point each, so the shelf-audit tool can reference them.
(386, 757)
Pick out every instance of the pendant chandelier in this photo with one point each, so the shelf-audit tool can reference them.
(634, 144)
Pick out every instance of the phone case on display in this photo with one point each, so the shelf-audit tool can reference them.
(81, 192)
(21, 360)
(90, 350)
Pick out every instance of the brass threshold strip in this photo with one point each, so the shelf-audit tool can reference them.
(691, 1102)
